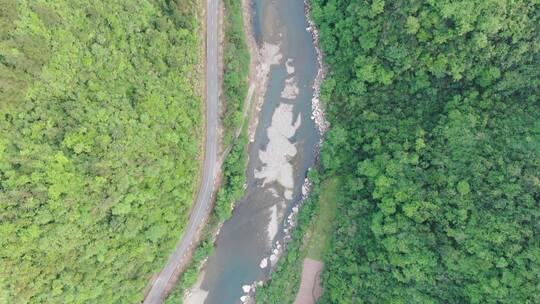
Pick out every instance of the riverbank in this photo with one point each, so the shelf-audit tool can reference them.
(316, 105)
(317, 115)
(292, 282)
(236, 69)
(316, 243)
(262, 59)
(235, 101)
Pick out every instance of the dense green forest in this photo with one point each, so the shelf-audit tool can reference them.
(100, 124)
(235, 68)
(435, 114)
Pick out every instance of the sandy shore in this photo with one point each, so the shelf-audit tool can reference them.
(310, 286)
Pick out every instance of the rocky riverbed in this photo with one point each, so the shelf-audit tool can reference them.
(285, 135)
(317, 115)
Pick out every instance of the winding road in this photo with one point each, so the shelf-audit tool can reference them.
(202, 205)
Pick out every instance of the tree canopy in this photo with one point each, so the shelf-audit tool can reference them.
(435, 108)
(100, 124)
(435, 114)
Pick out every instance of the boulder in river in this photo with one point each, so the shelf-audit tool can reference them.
(264, 263)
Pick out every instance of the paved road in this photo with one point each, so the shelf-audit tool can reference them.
(203, 203)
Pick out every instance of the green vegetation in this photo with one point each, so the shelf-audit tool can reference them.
(311, 238)
(100, 121)
(443, 154)
(435, 113)
(323, 224)
(235, 68)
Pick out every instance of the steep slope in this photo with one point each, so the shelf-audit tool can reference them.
(101, 118)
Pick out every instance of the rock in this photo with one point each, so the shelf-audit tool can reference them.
(243, 299)
(246, 288)
(273, 258)
(264, 263)
(295, 209)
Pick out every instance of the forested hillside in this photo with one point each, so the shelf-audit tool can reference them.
(100, 127)
(435, 113)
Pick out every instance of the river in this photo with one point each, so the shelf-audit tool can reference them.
(279, 157)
